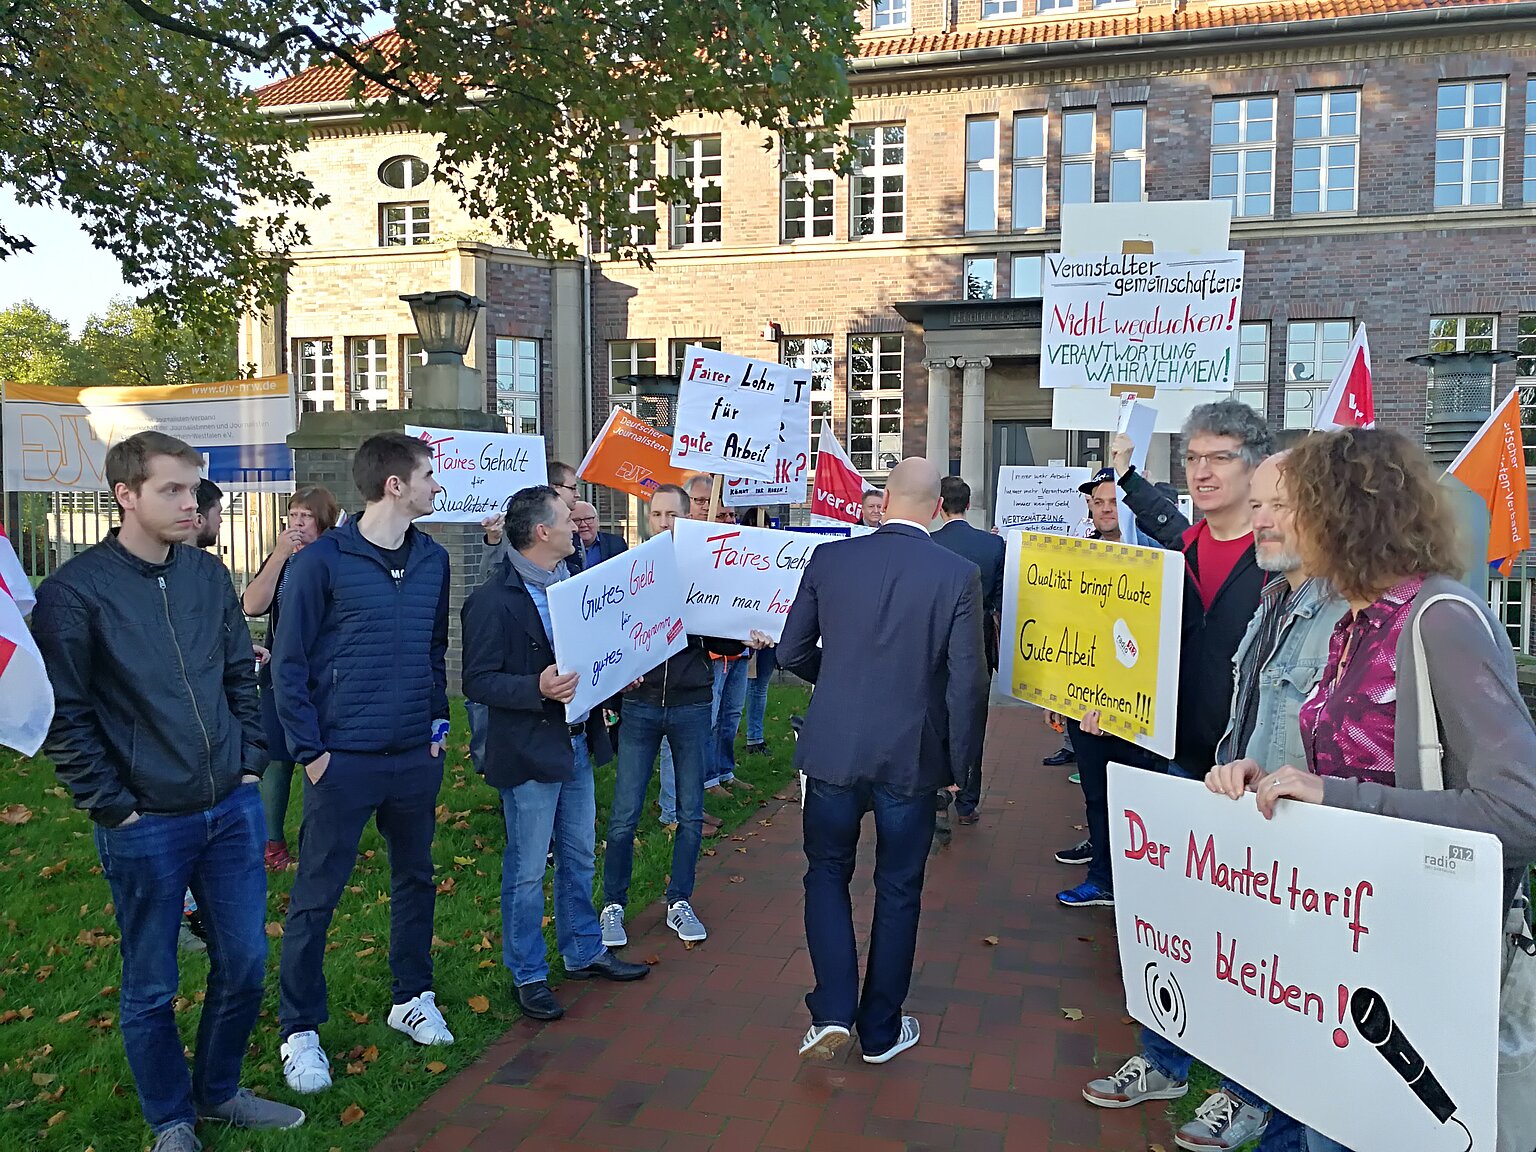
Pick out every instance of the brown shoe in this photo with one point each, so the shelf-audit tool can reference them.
(276, 856)
(712, 821)
(740, 785)
(719, 790)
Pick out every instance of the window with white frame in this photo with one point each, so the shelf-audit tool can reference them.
(1530, 141)
(413, 358)
(403, 171)
(1510, 600)
(1024, 275)
(629, 358)
(640, 232)
(696, 162)
(992, 9)
(1463, 333)
(878, 191)
(368, 372)
(888, 14)
(404, 224)
(980, 278)
(1326, 157)
(1128, 153)
(517, 384)
(806, 195)
(676, 348)
(1243, 154)
(1043, 6)
(981, 174)
(1525, 377)
(1314, 349)
(1252, 386)
(812, 354)
(1029, 170)
(1469, 143)
(1077, 140)
(315, 365)
(874, 402)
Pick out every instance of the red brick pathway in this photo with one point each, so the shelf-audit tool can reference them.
(702, 1054)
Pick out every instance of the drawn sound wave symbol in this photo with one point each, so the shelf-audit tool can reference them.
(1166, 1000)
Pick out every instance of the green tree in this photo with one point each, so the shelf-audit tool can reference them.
(35, 346)
(134, 344)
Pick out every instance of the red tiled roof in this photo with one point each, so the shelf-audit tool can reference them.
(326, 82)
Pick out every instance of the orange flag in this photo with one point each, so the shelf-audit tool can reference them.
(1493, 465)
(631, 456)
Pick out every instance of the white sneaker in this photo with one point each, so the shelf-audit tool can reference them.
(907, 1037)
(611, 921)
(681, 919)
(305, 1065)
(824, 1041)
(419, 1019)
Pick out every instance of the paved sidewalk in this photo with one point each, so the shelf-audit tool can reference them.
(702, 1054)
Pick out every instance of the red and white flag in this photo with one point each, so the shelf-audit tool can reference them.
(26, 697)
(838, 495)
(1349, 402)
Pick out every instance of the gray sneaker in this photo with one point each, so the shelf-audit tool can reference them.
(178, 1138)
(1223, 1123)
(611, 921)
(1136, 1082)
(186, 942)
(681, 919)
(245, 1109)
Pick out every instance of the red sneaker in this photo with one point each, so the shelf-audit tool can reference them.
(277, 857)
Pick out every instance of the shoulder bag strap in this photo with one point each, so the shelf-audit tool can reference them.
(1431, 751)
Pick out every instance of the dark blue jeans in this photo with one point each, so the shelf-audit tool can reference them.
(400, 792)
(757, 694)
(688, 730)
(730, 696)
(149, 865)
(831, 815)
(1093, 756)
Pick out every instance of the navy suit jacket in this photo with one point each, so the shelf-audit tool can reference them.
(982, 549)
(901, 679)
(608, 546)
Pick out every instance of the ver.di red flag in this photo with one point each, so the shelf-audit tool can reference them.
(26, 697)
(1349, 402)
(1493, 465)
(839, 491)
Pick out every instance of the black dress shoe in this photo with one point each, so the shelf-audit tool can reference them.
(1057, 759)
(969, 818)
(610, 967)
(538, 1002)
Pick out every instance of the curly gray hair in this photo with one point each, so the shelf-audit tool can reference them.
(1235, 419)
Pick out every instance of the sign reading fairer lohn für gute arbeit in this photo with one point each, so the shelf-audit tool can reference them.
(729, 411)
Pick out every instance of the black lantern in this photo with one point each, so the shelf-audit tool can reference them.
(445, 321)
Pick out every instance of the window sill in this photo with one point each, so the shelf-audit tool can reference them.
(1469, 207)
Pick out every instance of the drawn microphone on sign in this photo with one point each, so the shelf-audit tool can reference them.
(1166, 999)
(1374, 1023)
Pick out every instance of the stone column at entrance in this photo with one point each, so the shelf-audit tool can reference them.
(973, 437)
(938, 413)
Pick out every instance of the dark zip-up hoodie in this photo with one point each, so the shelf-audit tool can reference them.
(686, 678)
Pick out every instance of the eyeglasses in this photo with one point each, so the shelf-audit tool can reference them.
(1217, 459)
(567, 487)
(583, 519)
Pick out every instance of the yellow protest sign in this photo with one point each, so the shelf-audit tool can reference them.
(1088, 625)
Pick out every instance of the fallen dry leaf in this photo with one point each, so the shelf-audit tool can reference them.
(479, 1004)
(43, 1079)
(466, 861)
(1156, 1148)
(275, 929)
(737, 879)
(357, 1068)
(54, 869)
(370, 1054)
(351, 1115)
(1127, 1020)
(546, 922)
(358, 1017)
(361, 952)
(486, 964)
(653, 960)
(447, 885)
(1086, 939)
(15, 814)
(742, 850)
(1072, 1013)
(68, 1016)
(56, 1117)
(437, 1066)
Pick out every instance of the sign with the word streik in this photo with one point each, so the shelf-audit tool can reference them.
(1040, 499)
(1141, 320)
(1343, 966)
(1094, 626)
(736, 579)
(794, 454)
(728, 415)
(616, 621)
(479, 471)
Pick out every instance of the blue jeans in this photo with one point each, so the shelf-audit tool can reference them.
(668, 784)
(730, 695)
(149, 865)
(757, 694)
(479, 717)
(1173, 1062)
(533, 811)
(831, 816)
(687, 729)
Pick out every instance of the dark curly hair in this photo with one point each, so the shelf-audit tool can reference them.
(1368, 511)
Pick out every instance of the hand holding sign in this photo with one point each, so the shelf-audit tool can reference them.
(557, 687)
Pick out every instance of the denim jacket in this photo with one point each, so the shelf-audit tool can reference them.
(1288, 676)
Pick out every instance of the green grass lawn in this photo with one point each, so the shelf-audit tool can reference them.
(64, 1082)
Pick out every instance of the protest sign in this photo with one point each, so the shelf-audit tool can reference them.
(1341, 965)
(1148, 320)
(737, 578)
(838, 494)
(1093, 625)
(617, 620)
(1138, 420)
(728, 414)
(630, 456)
(1035, 499)
(794, 453)
(479, 471)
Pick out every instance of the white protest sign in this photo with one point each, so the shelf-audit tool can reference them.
(728, 415)
(1137, 420)
(737, 579)
(1133, 319)
(1343, 966)
(479, 471)
(1034, 499)
(617, 620)
(794, 454)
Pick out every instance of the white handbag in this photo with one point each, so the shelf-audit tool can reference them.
(1517, 990)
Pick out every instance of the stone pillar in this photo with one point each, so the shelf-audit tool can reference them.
(938, 413)
(973, 437)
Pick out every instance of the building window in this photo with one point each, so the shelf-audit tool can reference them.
(878, 204)
(1029, 170)
(316, 363)
(1043, 6)
(629, 358)
(981, 277)
(696, 161)
(412, 358)
(1463, 333)
(1325, 159)
(1077, 131)
(1510, 600)
(1252, 386)
(402, 171)
(981, 175)
(640, 232)
(1469, 143)
(1128, 154)
(401, 224)
(992, 9)
(812, 354)
(888, 14)
(1314, 349)
(1525, 377)
(367, 373)
(675, 349)
(1243, 154)
(1530, 141)
(874, 401)
(517, 384)
(806, 195)
(1024, 276)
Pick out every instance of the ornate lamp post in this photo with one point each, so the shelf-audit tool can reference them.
(445, 321)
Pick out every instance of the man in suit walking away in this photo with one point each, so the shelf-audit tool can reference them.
(884, 742)
(987, 552)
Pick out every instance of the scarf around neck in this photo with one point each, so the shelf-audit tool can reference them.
(533, 575)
